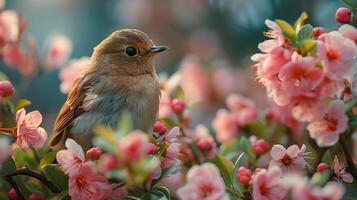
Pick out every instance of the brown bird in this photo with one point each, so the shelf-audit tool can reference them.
(120, 77)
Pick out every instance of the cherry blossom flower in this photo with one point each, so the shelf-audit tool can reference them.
(242, 108)
(337, 54)
(276, 35)
(87, 184)
(173, 148)
(28, 133)
(6, 89)
(70, 72)
(349, 31)
(72, 158)
(288, 159)
(339, 170)
(133, 146)
(225, 125)
(24, 61)
(331, 191)
(267, 185)
(59, 51)
(203, 182)
(4, 149)
(9, 27)
(327, 130)
(307, 106)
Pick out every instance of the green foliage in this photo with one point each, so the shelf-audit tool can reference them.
(21, 104)
(287, 30)
(321, 178)
(327, 157)
(259, 128)
(236, 186)
(225, 166)
(56, 176)
(300, 21)
(246, 146)
(157, 193)
(48, 158)
(351, 3)
(307, 45)
(352, 121)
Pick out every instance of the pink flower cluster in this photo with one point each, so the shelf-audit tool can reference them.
(85, 182)
(227, 122)
(305, 82)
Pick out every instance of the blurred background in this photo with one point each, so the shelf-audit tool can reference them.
(210, 41)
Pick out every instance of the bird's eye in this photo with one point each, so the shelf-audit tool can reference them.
(130, 51)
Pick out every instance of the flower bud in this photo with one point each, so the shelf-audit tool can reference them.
(317, 31)
(94, 153)
(151, 149)
(108, 162)
(160, 128)
(6, 89)
(244, 175)
(260, 147)
(205, 144)
(12, 194)
(34, 196)
(322, 167)
(178, 105)
(343, 15)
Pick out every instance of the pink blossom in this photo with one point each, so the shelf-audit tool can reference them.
(194, 81)
(6, 89)
(15, 56)
(87, 184)
(69, 73)
(29, 134)
(4, 149)
(165, 108)
(173, 148)
(133, 146)
(59, 51)
(244, 175)
(276, 35)
(301, 74)
(337, 54)
(72, 158)
(339, 170)
(242, 108)
(267, 185)
(349, 31)
(225, 125)
(307, 106)
(331, 191)
(9, 27)
(327, 130)
(203, 182)
(288, 159)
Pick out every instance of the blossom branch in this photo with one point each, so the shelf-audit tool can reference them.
(36, 175)
(350, 164)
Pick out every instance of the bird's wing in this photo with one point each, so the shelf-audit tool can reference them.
(70, 110)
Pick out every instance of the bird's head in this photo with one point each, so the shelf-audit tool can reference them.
(127, 52)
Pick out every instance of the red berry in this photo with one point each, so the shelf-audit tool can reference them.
(244, 175)
(160, 128)
(6, 89)
(260, 147)
(178, 106)
(94, 153)
(34, 196)
(151, 149)
(205, 144)
(343, 15)
(322, 167)
(12, 194)
(317, 31)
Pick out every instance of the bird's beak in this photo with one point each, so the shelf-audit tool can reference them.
(155, 50)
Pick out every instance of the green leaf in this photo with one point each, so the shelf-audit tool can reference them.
(350, 104)
(307, 46)
(247, 148)
(352, 121)
(170, 170)
(21, 104)
(3, 77)
(8, 166)
(62, 196)
(162, 190)
(228, 147)
(236, 186)
(300, 21)
(225, 166)
(321, 178)
(160, 193)
(352, 3)
(35, 187)
(56, 176)
(287, 30)
(259, 128)
(305, 32)
(327, 157)
(48, 158)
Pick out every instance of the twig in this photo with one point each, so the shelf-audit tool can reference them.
(16, 188)
(350, 164)
(38, 176)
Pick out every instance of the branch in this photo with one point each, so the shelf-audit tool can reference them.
(16, 188)
(350, 164)
(36, 175)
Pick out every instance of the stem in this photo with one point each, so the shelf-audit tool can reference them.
(33, 174)
(16, 188)
(350, 164)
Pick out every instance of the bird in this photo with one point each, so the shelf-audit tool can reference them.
(120, 77)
